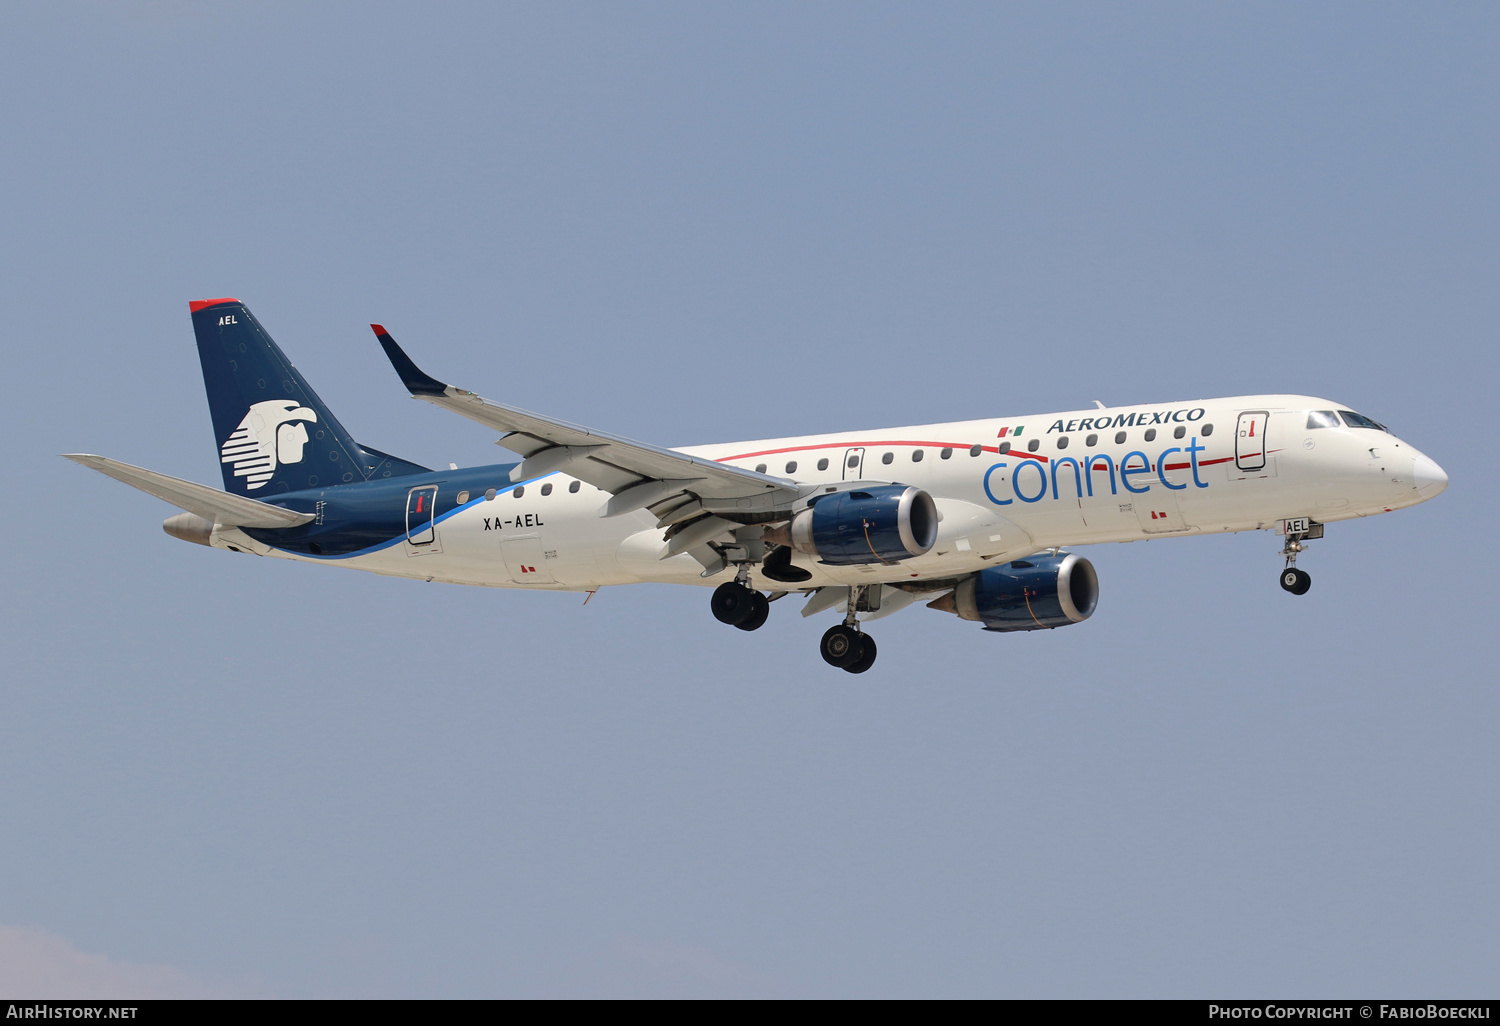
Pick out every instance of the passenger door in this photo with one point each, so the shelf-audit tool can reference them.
(420, 506)
(1250, 440)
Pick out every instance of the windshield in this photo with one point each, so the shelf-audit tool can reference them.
(1322, 419)
(1357, 420)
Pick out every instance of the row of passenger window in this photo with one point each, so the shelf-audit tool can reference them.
(517, 491)
(974, 450)
(917, 456)
(1180, 431)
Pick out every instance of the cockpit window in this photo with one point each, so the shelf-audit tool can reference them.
(1322, 419)
(1357, 420)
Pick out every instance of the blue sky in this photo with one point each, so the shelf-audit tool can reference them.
(692, 223)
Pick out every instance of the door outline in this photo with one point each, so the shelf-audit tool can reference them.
(857, 454)
(1250, 440)
(421, 531)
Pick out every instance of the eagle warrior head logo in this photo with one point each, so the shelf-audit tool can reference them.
(270, 434)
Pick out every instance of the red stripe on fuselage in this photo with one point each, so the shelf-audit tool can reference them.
(955, 447)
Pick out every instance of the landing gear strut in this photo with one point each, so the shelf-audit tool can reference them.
(845, 645)
(1293, 580)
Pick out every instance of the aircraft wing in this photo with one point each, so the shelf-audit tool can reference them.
(208, 503)
(637, 473)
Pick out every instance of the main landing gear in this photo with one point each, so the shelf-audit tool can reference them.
(848, 648)
(740, 606)
(845, 645)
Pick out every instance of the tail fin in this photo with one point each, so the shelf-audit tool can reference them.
(274, 433)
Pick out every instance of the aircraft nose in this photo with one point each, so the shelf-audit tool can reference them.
(1429, 478)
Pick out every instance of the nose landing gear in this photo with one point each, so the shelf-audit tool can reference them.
(1297, 531)
(1296, 581)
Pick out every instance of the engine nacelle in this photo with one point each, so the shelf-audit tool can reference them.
(1028, 594)
(882, 524)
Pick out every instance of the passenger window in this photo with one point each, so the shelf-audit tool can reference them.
(1004, 448)
(823, 463)
(1151, 434)
(518, 492)
(574, 486)
(916, 456)
(489, 494)
(1119, 438)
(975, 450)
(1033, 445)
(1208, 429)
(547, 488)
(946, 454)
(1062, 442)
(1179, 431)
(888, 457)
(760, 468)
(1091, 441)
(853, 462)
(1322, 419)
(791, 467)
(462, 498)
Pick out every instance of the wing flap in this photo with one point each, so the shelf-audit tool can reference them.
(208, 503)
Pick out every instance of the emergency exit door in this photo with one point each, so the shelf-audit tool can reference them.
(854, 465)
(1250, 440)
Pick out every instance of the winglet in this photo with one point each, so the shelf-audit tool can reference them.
(411, 375)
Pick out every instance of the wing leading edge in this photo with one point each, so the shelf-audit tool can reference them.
(638, 475)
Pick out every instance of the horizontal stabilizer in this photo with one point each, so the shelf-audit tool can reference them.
(208, 503)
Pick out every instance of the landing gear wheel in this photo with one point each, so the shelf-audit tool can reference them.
(733, 603)
(841, 646)
(760, 608)
(1296, 581)
(866, 655)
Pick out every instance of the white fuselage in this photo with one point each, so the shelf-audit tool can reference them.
(1241, 463)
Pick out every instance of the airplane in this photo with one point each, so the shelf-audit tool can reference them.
(974, 518)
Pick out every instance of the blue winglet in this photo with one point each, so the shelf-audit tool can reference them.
(411, 375)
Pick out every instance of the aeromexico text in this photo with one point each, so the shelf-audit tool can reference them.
(1129, 420)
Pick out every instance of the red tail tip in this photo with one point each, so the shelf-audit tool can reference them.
(199, 304)
(379, 329)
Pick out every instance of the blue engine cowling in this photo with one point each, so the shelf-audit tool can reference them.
(883, 524)
(1028, 594)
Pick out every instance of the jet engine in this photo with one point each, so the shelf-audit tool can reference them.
(1027, 594)
(881, 524)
